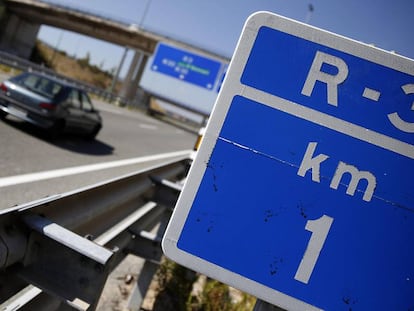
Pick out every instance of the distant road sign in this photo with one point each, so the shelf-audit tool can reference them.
(222, 76)
(301, 192)
(186, 66)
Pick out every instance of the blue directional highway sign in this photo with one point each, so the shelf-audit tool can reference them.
(301, 193)
(186, 66)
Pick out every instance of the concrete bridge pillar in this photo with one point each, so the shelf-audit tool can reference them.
(18, 36)
(131, 82)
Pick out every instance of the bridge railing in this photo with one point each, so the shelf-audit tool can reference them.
(105, 16)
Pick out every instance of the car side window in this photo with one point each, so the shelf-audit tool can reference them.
(48, 87)
(45, 87)
(86, 102)
(73, 99)
(30, 81)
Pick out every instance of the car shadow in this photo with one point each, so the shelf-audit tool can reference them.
(80, 144)
(68, 141)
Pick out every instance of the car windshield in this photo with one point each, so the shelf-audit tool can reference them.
(38, 84)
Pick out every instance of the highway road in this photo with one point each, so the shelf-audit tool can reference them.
(33, 167)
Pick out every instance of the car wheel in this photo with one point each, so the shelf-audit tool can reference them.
(94, 132)
(3, 114)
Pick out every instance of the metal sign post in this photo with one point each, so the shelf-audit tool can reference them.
(301, 192)
(264, 306)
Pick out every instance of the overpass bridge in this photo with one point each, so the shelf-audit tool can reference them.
(20, 21)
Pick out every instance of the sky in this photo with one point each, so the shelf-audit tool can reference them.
(215, 25)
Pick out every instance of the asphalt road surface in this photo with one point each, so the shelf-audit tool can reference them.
(33, 167)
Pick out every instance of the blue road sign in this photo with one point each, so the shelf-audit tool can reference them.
(186, 66)
(301, 192)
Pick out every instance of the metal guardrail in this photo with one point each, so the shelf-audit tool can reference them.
(26, 65)
(58, 252)
(103, 15)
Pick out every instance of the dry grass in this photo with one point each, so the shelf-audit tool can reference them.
(176, 288)
(74, 68)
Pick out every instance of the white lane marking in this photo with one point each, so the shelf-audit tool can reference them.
(26, 178)
(148, 126)
(108, 109)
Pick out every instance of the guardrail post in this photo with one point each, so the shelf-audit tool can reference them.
(167, 192)
(64, 263)
(149, 245)
(153, 255)
(12, 241)
(140, 288)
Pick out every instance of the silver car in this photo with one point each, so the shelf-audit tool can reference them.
(49, 103)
